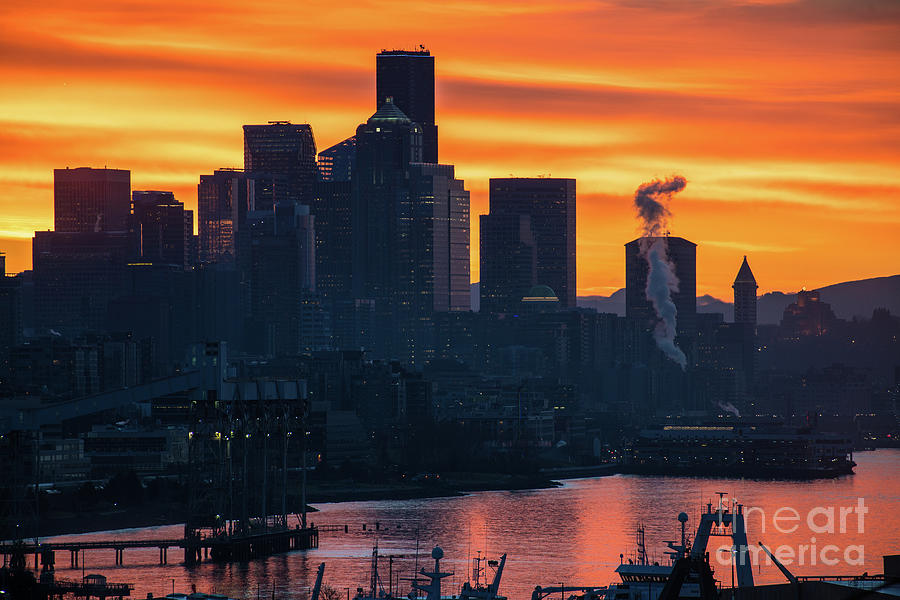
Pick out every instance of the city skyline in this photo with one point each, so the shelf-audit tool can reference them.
(610, 111)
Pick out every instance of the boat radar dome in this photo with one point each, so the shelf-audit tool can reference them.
(682, 517)
(437, 553)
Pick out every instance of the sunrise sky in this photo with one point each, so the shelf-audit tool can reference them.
(783, 116)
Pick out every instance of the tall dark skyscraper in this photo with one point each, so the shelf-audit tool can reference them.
(530, 233)
(385, 146)
(410, 235)
(76, 274)
(281, 148)
(408, 78)
(281, 267)
(163, 228)
(86, 199)
(683, 255)
(745, 295)
(440, 235)
(508, 261)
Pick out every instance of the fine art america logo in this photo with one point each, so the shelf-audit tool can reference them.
(829, 522)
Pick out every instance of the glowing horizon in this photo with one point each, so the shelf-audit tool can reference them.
(782, 115)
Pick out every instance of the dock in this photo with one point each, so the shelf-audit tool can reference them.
(196, 549)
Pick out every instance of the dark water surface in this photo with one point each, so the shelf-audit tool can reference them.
(572, 535)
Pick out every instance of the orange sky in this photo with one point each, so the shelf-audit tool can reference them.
(783, 116)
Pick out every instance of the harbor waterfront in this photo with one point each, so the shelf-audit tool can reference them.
(572, 535)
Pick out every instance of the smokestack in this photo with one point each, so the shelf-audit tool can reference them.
(651, 201)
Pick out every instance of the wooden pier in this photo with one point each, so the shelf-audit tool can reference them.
(196, 549)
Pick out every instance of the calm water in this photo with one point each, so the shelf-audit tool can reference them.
(571, 535)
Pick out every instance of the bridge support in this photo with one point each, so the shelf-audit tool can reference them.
(73, 558)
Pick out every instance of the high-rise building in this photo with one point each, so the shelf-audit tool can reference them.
(440, 237)
(331, 206)
(683, 255)
(408, 78)
(11, 326)
(223, 201)
(76, 274)
(281, 148)
(86, 199)
(281, 266)
(526, 213)
(334, 239)
(162, 227)
(745, 295)
(508, 261)
(410, 235)
(385, 146)
(336, 162)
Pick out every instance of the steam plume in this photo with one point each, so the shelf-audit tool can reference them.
(651, 200)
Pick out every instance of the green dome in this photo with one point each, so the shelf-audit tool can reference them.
(540, 293)
(389, 113)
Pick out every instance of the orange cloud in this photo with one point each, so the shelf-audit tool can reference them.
(782, 115)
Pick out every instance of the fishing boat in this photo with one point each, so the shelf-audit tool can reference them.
(476, 589)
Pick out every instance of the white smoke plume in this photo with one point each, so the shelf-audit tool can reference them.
(651, 201)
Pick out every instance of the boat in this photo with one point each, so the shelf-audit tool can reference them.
(740, 450)
(686, 574)
(477, 589)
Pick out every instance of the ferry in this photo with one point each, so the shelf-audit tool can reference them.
(740, 450)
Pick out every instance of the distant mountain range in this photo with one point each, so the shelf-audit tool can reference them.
(848, 299)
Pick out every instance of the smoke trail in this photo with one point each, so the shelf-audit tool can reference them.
(651, 201)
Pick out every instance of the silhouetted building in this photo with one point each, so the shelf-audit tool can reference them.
(163, 228)
(11, 326)
(408, 78)
(223, 200)
(281, 148)
(745, 295)
(336, 163)
(282, 272)
(76, 275)
(86, 199)
(440, 237)
(526, 213)
(381, 211)
(410, 235)
(808, 315)
(508, 261)
(683, 255)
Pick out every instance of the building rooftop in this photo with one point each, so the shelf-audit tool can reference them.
(745, 275)
(389, 113)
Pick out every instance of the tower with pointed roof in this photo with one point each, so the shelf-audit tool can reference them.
(745, 295)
